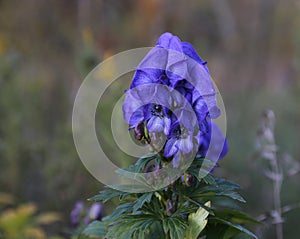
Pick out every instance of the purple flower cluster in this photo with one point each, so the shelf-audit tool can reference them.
(172, 94)
(80, 214)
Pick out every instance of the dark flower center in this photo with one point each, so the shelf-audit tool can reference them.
(180, 134)
(157, 110)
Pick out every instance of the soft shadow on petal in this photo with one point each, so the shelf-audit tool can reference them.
(168, 41)
(145, 76)
(130, 106)
(171, 148)
(157, 58)
(167, 125)
(136, 117)
(176, 160)
(201, 109)
(190, 51)
(155, 124)
(216, 143)
(186, 145)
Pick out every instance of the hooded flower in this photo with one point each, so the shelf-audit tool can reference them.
(158, 121)
(181, 142)
(218, 149)
(177, 65)
(169, 67)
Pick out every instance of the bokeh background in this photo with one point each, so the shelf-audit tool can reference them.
(48, 47)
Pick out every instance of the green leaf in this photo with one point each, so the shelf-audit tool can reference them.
(232, 195)
(223, 202)
(132, 226)
(108, 194)
(197, 222)
(155, 231)
(231, 232)
(139, 165)
(95, 229)
(185, 209)
(209, 179)
(233, 225)
(235, 216)
(201, 168)
(215, 230)
(229, 185)
(199, 204)
(222, 188)
(241, 236)
(175, 226)
(140, 185)
(121, 209)
(142, 162)
(154, 207)
(139, 181)
(141, 201)
(203, 163)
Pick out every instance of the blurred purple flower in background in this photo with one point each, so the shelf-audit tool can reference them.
(81, 214)
(95, 212)
(76, 213)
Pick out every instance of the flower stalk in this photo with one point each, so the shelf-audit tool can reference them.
(171, 104)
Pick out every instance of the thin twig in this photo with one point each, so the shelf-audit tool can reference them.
(268, 150)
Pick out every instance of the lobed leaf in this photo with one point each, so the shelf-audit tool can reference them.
(141, 201)
(175, 226)
(95, 229)
(108, 194)
(233, 225)
(197, 222)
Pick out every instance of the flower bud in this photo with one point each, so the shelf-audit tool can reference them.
(188, 179)
(95, 212)
(139, 131)
(170, 208)
(76, 213)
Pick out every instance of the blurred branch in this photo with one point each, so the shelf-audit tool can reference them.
(285, 209)
(268, 150)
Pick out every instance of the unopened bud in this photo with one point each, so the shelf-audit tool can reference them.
(188, 179)
(139, 132)
(170, 208)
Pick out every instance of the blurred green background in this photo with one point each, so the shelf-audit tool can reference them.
(48, 47)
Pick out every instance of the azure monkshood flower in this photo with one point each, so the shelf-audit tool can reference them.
(176, 66)
(180, 141)
(216, 150)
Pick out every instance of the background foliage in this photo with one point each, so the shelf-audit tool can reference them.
(48, 47)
